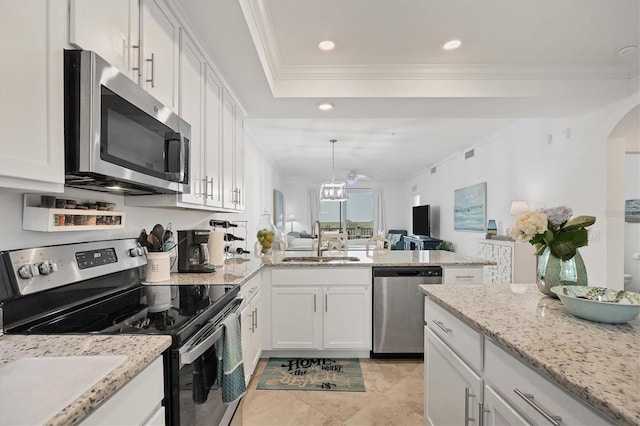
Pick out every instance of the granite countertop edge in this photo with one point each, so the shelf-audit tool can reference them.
(585, 393)
(140, 351)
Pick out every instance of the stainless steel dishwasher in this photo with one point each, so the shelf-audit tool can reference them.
(398, 310)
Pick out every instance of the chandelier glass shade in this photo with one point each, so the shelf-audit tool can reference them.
(333, 191)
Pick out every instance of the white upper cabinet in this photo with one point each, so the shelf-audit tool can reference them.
(192, 83)
(32, 38)
(232, 154)
(160, 51)
(111, 28)
(213, 139)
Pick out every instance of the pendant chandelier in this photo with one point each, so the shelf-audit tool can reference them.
(333, 191)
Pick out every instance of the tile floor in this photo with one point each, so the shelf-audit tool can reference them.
(394, 396)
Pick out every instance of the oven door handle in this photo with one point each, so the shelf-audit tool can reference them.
(189, 353)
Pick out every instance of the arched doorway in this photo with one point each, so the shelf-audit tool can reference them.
(623, 239)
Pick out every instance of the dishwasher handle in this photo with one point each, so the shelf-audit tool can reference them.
(430, 271)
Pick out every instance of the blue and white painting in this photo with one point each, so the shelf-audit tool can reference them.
(632, 211)
(469, 208)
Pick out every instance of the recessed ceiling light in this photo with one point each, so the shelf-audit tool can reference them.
(326, 45)
(326, 106)
(452, 44)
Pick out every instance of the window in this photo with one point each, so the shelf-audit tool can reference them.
(354, 215)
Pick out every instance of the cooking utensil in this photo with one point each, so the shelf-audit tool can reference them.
(142, 238)
(158, 231)
(153, 243)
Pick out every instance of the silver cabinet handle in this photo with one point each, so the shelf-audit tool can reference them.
(326, 303)
(314, 303)
(253, 328)
(137, 68)
(528, 398)
(204, 192)
(209, 182)
(441, 326)
(151, 80)
(255, 316)
(482, 412)
(467, 395)
(464, 276)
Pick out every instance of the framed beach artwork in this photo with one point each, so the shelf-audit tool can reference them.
(632, 211)
(470, 208)
(278, 209)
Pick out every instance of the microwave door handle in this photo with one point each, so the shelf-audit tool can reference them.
(184, 147)
(189, 354)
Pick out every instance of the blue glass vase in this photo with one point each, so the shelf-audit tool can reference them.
(554, 272)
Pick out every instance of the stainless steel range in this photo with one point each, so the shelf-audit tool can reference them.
(96, 288)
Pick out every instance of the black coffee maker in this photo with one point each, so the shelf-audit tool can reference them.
(193, 253)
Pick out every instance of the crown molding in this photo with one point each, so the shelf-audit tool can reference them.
(399, 80)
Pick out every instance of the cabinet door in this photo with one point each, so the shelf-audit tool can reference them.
(110, 28)
(498, 412)
(347, 318)
(192, 71)
(246, 324)
(238, 158)
(296, 318)
(453, 391)
(32, 38)
(462, 275)
(256, 334)
(160, 41)
(213, 139)
(228, 127)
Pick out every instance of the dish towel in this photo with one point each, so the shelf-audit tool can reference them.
(233, 386)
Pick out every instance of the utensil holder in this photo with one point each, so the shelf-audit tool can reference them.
(158, 266)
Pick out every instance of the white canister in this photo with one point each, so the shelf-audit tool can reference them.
(158, 266)
(216, 245)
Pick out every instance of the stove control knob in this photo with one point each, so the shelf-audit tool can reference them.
(28, 271)
(47, 267)
(135, 252)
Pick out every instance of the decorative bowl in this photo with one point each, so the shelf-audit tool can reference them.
(599, 304)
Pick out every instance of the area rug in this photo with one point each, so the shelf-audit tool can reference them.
(312, 374)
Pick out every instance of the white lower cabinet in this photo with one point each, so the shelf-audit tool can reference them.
(533, 395)
(251, 326)
(321, 308)
(139, 402)
(462, 275)
(469, 379)
(497, 412)
(453, 391)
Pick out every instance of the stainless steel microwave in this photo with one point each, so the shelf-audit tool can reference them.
(119, 138)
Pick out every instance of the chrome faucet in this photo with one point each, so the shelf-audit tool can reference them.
(317, 224)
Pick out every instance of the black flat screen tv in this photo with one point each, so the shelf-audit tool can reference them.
(421, 221)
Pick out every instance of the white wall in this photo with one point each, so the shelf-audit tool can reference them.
(260, 179)
(544, 162)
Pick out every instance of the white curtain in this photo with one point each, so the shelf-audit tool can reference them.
(379, 221)
(314, 207)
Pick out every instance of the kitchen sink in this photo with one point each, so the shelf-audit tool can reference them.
(322, 259)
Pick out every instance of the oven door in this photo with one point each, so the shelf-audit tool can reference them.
(195, 393)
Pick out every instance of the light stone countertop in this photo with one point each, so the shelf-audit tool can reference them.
(139, 350)
(598, 363)
(240, 269)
